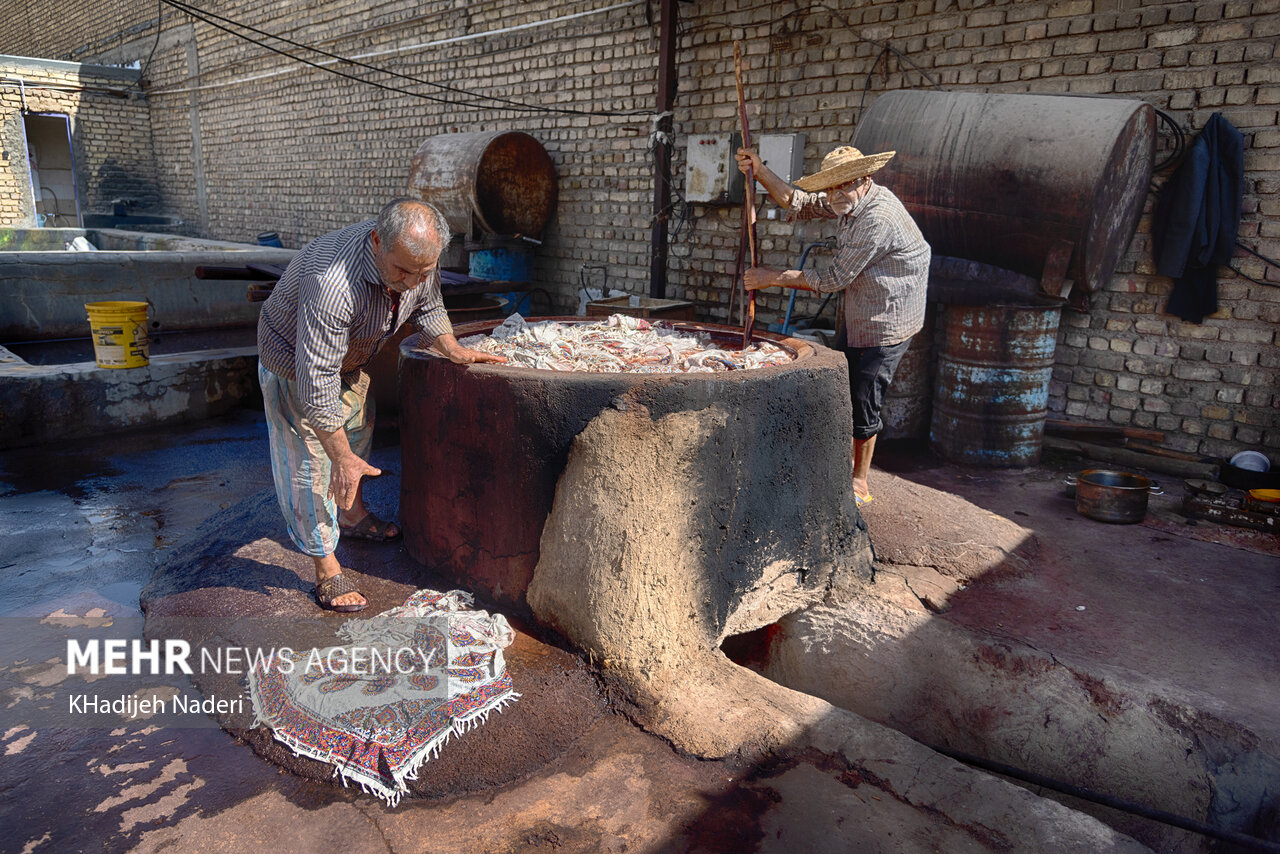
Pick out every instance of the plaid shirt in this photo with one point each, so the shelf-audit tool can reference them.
(329, 314)
(881, 262)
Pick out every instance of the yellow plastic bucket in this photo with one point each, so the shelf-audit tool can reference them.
(119, 333)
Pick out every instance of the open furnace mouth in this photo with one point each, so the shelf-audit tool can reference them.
(622, 344)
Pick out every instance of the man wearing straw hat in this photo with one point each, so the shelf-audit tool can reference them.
(340, 299)
(881, 262)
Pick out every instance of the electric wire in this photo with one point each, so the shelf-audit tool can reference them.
(187, 7)
(857, 35)
(159, 29)
(208, 19)
(866, 84)
(1179, 142)
(1258, 254)
(213, 19)
(1244, 275)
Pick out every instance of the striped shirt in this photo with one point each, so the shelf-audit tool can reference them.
(328, 315)
(881, 262)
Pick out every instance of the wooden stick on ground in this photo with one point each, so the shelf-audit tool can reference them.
(1134, 459)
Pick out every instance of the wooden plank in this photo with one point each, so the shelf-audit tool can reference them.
(1201, 509)
(1059, 426)
(1169, 452)
(210, 271)
(1133, 459)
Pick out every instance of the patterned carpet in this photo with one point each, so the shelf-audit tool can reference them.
(397, 688)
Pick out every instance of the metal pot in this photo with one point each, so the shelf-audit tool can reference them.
(1114, 496)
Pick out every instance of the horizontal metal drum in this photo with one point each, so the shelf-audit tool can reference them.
(1005, 179)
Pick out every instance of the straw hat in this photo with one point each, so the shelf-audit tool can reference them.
(844, 164)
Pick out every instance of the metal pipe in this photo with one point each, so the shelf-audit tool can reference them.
(791, 303)
(22, 90)
(1171, 819)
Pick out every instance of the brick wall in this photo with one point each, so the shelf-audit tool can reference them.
(110, 135)
(1214, 388)
(293, 150)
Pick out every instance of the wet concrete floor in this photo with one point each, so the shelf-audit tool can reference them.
(85, 524)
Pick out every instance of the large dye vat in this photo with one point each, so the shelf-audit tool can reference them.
(484, 446)
(43, 287)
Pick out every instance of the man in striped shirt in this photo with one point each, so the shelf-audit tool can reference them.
(340, 299)
(881, 262)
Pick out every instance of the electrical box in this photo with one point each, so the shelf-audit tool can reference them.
(711, 175)
(783, 153)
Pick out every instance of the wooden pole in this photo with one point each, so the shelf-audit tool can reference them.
(749, 208)
(662, 150)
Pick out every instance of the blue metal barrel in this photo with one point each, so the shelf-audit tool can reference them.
(905, 412)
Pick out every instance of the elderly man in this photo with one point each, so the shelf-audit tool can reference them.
(881, 262)
(341, 298)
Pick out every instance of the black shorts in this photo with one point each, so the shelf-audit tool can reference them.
(870, 372)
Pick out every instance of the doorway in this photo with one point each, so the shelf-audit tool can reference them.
(53, 173)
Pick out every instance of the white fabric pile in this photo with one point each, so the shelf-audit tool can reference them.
(620, 344)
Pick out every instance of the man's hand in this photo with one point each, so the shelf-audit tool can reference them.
(345, 468)
(779, 190)
(344, 478)
(755, 278)
(466, 356)
(448, 346)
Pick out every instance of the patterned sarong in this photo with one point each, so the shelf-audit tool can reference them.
(399, 687)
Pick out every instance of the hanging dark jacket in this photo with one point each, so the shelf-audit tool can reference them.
(1197, 217)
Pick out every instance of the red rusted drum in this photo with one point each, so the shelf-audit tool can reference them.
(497, 182)
(992, 391)
(483, 447)
(1003, 178)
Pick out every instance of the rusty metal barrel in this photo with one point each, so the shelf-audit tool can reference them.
(495, 182)
(905, 412)
(908, 403)
(1005, 179)
(992, 390)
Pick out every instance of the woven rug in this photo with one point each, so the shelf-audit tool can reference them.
(400, 685)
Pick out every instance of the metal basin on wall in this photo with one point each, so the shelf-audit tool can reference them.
(496, 182)
(484, 445)
(1003, 179)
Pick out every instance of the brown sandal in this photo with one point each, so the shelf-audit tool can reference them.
(333, 587)
(370, 528)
